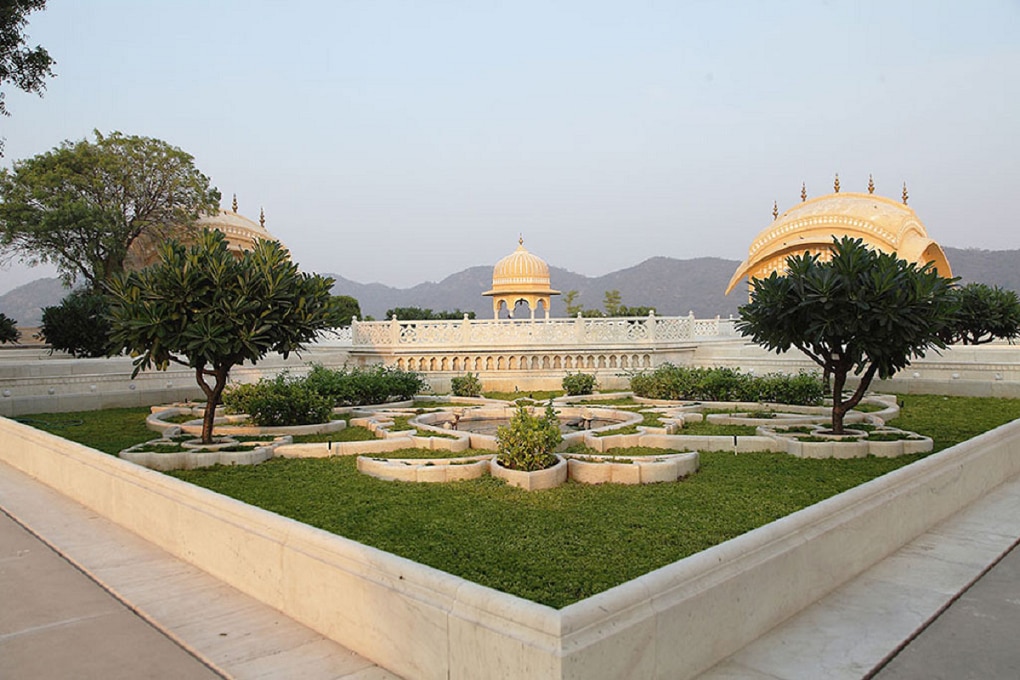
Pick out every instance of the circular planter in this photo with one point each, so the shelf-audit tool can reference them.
(532, 481)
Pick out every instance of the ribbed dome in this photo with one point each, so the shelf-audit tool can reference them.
(521, 276)
(882, 223)
(520, 268)
(241, 234)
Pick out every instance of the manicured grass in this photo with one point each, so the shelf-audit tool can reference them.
(951, 420)
(348, 434)
(110, 431)
(557, 546)
(541, 396)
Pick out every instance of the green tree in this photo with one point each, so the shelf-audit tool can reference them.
(25, 67)
(986, 313)
(347, 309)
(420, 314)
(78, 325)
(201, 307)
(570, 300)
(612, 301)
(8, 329)
(82, 205)
(863, 311)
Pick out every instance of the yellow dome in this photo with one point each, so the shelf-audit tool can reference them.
(241, 234)
(882, 223)
(521, 276)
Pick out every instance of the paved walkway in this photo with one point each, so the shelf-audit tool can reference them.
(59, 564)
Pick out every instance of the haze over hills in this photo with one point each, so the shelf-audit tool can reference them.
(669, 285)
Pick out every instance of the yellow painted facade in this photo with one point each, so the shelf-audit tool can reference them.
(810, 226)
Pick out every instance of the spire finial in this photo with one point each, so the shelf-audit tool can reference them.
(835, 185)
(803, 192)
(905, 196)
(234, 204)
(520, 240)
(262, 217)
(775, 210)
(871, 184)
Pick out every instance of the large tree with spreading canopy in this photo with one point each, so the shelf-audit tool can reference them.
(204, 308)
(862, 311)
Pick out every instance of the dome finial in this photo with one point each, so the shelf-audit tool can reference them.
(871, 184)
(520, 240)
(234, 204)
(835, 185)
(262, 217)
(905, 193)
(775, 210)
(803, 192)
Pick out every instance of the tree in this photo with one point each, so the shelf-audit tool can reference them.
(82, 205)
(419, 314)
(8, 329)
(863, 311)
(347, 309)
(201, 307)
(27, 68)
(78, 325)
(986, 313)
(611, 302)
(570, 300)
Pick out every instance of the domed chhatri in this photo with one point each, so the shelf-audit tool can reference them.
(241, 232)
(521, 277)
(882, 223)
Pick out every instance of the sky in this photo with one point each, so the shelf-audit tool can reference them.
(400, 142)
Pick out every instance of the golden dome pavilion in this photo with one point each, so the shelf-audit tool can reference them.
(882, 223)
(521, 277)
(241, 233)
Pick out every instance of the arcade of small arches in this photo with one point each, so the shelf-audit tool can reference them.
(489, 362)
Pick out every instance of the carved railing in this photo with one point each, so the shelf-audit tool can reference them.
(648, 330)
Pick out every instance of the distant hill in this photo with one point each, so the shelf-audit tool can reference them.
(669, 285)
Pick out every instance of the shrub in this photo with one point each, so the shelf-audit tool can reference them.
(278, 401)
(8, 329)
(78, 325)
(528, 441)
(466, 385)
(726, 384)
(358, 387)
(579, 383)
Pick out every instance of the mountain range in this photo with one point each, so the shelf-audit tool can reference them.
(671, 286)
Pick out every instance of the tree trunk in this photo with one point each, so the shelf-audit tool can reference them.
(212, 397)
(838, 408)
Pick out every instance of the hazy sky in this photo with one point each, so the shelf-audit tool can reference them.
(400, 142)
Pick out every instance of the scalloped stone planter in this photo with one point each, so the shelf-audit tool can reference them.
(425, 470)
(532, 481)
(189, 460)
(641, 469)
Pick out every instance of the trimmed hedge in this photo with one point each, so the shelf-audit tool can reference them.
(681, 383)
(363, 386)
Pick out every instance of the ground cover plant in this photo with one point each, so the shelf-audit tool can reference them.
(692, 383)
(538, 396)
(556, 546)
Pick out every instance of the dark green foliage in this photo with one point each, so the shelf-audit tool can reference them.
(364, 386)
(528, 441)
(986, 313)
(419, 314)
(579, 383)
(79, 325)
(466, 385)
(683, 383)
(278, 401)
(24, 67)
(8, 329)
(863, 311)
(347, 308)
(202, 307)
(83, 204)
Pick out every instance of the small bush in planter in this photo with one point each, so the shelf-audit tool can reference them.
(579, 383)
(278, 401)
(466, 385)
(528, 441)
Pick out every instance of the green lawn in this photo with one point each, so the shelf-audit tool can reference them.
(558, 546)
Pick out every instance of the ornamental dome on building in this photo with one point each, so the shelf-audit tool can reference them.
(241, 234)
(882, 223)
(521, 277)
